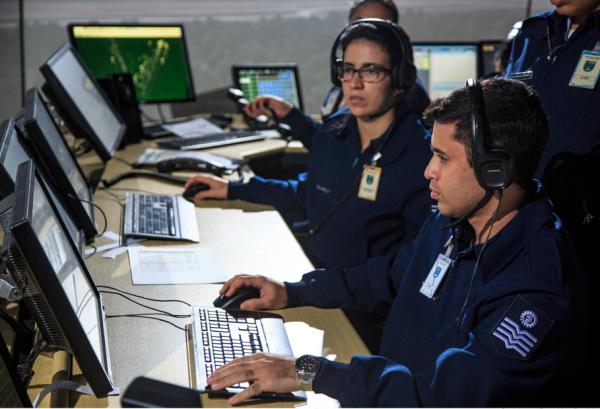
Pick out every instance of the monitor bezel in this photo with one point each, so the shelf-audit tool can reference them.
(9, 363)
(97, 373)
(6, 184)
(235, 69)
(71, 113)
(480, 59)
(44, 154)
(191, 91)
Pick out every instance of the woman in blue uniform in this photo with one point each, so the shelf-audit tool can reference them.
(363, 194)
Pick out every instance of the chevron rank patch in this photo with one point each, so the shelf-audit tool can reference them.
(521, 330)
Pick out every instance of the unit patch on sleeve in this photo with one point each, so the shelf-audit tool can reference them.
(521, 329)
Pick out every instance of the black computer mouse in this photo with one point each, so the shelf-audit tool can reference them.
(191, 191)
(241, 295)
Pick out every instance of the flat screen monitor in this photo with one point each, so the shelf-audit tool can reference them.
(53, 154)
(56, 285)
(281, 80)
(445, 67)
(154, 54)
(84, 107)
(12, 154)
(12, 390)
(487, 56)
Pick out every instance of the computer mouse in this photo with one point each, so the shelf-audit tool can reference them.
(241, 295)
(191, 191)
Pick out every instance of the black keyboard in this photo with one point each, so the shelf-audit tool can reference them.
(226, 336)
(154, 215)
(210, 140)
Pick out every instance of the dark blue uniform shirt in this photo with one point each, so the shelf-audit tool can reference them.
(573, 112)
(351, 229)
(517, 341)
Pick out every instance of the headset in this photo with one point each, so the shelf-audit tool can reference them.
(404, 74)
(493, 168)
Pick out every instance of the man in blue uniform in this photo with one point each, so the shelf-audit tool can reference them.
(558, 54)
(488, 306)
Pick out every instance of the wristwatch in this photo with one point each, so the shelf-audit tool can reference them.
(307, 367)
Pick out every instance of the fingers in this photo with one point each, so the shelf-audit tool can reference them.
(246, 394)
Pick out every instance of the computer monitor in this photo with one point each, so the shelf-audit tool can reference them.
(84, 107)
(51, 152)
(12, 154)
(487, 56)
(56, 286)
(281, 80)
(12, 390)
(154, 54)
(445, 67)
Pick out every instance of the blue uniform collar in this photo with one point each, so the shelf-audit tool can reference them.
(502, 248)
(558, 22)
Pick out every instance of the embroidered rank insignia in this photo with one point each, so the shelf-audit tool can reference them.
(521, 330)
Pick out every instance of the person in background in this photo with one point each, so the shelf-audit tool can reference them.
(362, 195)
(304, 127)
(488, 305)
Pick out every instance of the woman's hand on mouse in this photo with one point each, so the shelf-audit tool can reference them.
(218, 187)
(273, 294)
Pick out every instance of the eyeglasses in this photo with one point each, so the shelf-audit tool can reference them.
(370, 73)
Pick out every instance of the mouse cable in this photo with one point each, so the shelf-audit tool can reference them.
(123, 161)
(141, 296)
(146, 317)
(116, 199)
(146, 306)
(97, 207)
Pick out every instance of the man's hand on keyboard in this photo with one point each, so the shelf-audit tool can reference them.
(267, 372)
(273, 295)
(218, 187)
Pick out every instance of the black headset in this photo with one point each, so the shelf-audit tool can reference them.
(494, 167)
(404, 73)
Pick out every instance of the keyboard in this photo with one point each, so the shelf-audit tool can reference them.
(221, 336)
(160, 217)
(212, 139)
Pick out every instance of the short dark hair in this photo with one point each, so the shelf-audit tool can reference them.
(516, 120)
(388, 4)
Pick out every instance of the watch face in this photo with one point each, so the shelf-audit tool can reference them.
(308, 364)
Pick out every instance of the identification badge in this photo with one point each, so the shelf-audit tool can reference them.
(587, 71)
(435, 276)
(369, 183)
(521, 76)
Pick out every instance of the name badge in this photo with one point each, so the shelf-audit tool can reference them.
(521, 76)
(369, 183)
(435, 276)
(587, 70)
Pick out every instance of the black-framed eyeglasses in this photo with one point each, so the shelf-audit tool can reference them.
(369, 73)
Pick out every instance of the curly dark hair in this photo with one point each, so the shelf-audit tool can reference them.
(388, 4)
(516, 121)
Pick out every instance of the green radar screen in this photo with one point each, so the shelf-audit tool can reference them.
(154, 56)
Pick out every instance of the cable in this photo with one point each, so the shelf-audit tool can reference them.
(117, 199)
(141, 296)
(464, 306)
(97, 207)
(147, 306)
(146, 317)
(160, 113)
(93, 252)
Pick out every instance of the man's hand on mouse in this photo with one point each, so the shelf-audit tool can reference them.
(218, 187)
(273, 295)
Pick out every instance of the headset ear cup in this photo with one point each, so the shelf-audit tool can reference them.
(335, 79)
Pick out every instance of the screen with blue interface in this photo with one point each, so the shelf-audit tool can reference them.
(155, 56)
(279, 80)
(442, 68)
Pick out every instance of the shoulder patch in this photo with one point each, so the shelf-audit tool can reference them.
(521, 329)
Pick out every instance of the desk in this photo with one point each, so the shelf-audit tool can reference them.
(146, 347)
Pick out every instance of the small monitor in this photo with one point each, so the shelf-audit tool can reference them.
(56, 285)
(154, 54)
(281, 80)
(12, 154)
(12, 390)
(487, 56)
(83, 105)
(445, 67)
(52, 152)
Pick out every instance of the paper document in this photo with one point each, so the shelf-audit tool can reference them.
(192, 128)
(304, 339)
(174, 265)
